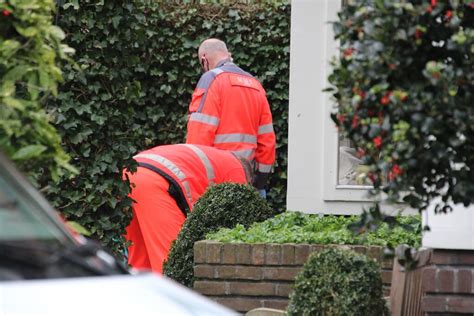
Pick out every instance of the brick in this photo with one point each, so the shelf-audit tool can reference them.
(210, 287)
(433, 304)
(284, 289)
(203, 271)
(280, 274)
(243, 254)
(200, 251)
(239, 272)
(228, 254)
(452, 257)
(445, 281)
(464, 278)
(460, 304)
(288, 254)
(387, 263)
(360, 249)
(257, 253)
(276, 303)
(273, 254)
(343, 247)
(301, 254)
(252, 289)
(240, 304)
(428, 279)
(376, 253)
(213, 252)
(225, 272)
(386, 276)
(316, 248)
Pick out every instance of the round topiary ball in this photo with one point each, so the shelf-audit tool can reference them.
(338, 282)
(222, 205)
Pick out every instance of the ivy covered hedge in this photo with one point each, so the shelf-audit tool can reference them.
(138, 67)
(294, 227)
(30, 50)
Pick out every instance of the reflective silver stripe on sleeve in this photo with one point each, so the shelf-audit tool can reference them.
(171, 167)
(267, 128)
(264, 168)
(205, 160)
(246, 153)
(204, 118)
(235, 138)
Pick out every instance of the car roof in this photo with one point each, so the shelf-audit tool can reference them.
(148, 294)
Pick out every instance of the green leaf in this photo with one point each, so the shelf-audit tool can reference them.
(78, 228)
(28, 152)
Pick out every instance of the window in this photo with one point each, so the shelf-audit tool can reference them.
(322, 165)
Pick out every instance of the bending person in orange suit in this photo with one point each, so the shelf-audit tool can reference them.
(168, 181)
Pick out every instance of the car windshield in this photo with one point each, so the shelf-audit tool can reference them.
(24, 212)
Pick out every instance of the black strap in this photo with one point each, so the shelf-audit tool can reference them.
(174, 190)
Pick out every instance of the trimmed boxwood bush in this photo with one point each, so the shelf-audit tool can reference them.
(223, 205)
(338, 282)
(295, 227)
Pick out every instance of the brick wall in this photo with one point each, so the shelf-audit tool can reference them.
(448, 283)
(247, 276)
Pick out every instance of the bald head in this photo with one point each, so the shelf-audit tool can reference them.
(212, 51)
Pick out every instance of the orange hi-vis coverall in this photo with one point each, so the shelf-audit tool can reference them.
(229, 110)
(168, 181)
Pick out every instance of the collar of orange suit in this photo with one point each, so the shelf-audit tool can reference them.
(224, 62)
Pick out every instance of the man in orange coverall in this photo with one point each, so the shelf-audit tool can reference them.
(168, 181)
(229, 110)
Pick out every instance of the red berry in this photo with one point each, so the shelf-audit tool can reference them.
(378, 141)
(6, 12)
(348, 52)
(433, 3)
(418, 33)
(449, 14)
(355, 121)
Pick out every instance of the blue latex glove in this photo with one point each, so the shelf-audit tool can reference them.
(263, 193)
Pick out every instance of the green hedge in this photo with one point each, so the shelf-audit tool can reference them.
(294, 227)
(223, 205)
(30, 50)
(138, 62)
(338, 282)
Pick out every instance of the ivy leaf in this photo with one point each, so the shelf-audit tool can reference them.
(28, 152)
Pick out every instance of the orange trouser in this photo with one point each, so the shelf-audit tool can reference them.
(156, 220)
